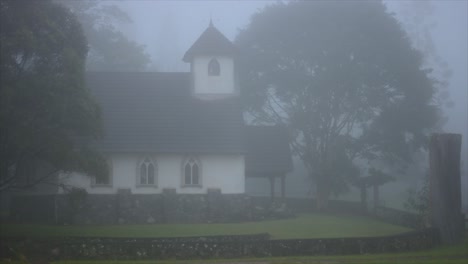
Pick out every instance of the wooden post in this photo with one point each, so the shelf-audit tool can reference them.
(272, 187)
(445, 183)
(283, 187)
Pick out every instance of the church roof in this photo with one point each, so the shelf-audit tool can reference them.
(210, 42)
(155, 112)
(268, 152)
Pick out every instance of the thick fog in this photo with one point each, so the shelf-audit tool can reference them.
(168, 28)
(439, 28)
(313, 101)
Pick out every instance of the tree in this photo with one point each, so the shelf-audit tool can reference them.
(419, 202)
(345, 79)
(109, 49)
(45, 108)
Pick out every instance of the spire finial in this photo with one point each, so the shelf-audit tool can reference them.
(211, 21)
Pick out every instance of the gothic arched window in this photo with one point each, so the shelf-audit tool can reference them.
(191, 172)
(147, 172)
(213, 67)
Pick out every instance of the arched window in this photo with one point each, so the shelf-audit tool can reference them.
(213, 67)
(191, 172)
(147, 172)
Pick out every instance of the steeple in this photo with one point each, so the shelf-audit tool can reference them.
(211, 60)
(211, 22)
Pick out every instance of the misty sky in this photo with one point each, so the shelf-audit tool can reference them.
(168, 28)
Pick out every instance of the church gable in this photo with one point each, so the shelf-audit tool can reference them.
(210, 43)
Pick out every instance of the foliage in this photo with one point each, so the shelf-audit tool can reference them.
(419, 201)
(76, 197)
(76, 200)
(109, 48)
(344, 78)
(11, 255)
(44, 107)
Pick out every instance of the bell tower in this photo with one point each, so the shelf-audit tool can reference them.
(211, 60)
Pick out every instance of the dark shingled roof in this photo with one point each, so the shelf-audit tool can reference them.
(155, 112)
(211, 42)
(268, 151)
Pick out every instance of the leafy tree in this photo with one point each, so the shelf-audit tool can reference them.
(109, 49)
(44, 106)
(344, 77)
(419, 201)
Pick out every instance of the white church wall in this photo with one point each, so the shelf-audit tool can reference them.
(224, 172)
(213, 85)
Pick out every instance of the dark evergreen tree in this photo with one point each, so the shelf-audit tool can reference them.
(109, 48)
(45, 108)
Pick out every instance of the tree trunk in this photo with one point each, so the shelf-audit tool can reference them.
(376, 196)
(364, 197)
(283, 186)
(322, 195)
(445, 183)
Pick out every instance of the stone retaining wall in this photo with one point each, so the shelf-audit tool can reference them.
(410, 241)
(215, 247)
(169, 207)
(308, 204)
(127, 208)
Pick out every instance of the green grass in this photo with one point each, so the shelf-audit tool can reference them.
(304, 226)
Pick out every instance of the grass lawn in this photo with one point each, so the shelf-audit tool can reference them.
(304, 226)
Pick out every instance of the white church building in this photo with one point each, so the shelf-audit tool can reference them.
(176, 144)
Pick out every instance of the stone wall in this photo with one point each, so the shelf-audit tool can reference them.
(214, 247)
(125, 207)
(308, 204)
(170, 207)
(32, 208)
(409, 241)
